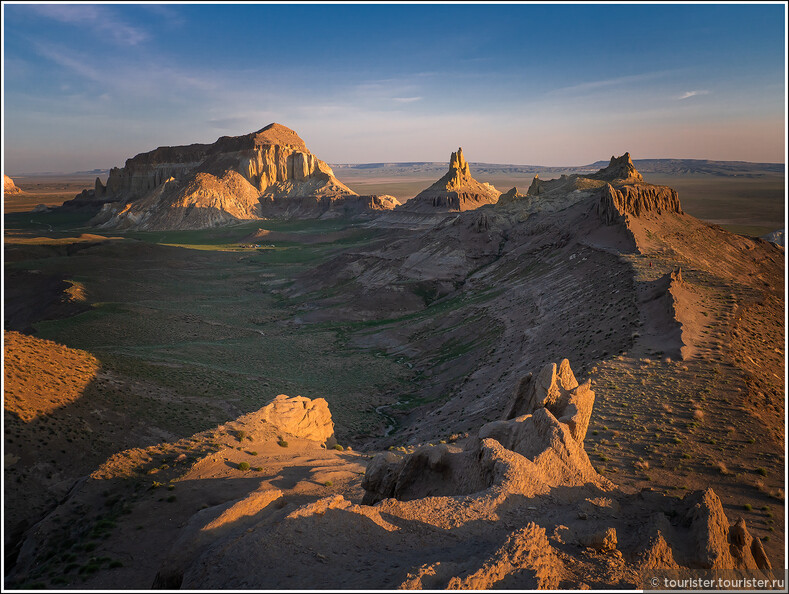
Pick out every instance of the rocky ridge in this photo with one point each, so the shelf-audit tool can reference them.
(519, 506)
(266, 173)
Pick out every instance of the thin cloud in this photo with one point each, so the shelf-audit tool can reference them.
(689, 94)
(62, 58)
(608, 82)
(406, 99)
(98, 18)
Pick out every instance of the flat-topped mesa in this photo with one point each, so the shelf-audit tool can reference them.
(273, 154)
(265, 173)
(456, 191)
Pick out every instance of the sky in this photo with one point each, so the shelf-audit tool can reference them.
(86, 86)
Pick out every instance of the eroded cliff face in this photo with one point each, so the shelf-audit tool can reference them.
(264, 158)
(636, 200)
(267, 173)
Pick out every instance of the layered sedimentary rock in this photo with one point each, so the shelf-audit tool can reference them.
(456, 191)
(266, 173)
(636, 200)
(9, 187)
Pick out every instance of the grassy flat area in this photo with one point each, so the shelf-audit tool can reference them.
(196, 314)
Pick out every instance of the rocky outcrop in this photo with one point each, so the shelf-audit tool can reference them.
(620, 170)
(510, 196)
(301, 417)
(519, 508)
(546, 425)
(558, 391)
(9, 187)
(635, 200)
(455, 192)
(266, 173)
(535, 189)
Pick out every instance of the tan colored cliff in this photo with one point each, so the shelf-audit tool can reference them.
(9, 187)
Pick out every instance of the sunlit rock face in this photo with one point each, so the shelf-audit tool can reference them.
(455, 191)
(266, 173)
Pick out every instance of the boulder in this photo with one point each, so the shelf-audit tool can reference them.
(301, 417)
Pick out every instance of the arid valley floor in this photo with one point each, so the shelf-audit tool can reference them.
(137, 361)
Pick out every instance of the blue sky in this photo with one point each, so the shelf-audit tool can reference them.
(87, 86)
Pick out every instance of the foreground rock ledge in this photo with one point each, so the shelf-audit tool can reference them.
(520, 507)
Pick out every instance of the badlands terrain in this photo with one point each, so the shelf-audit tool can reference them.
(570, 384)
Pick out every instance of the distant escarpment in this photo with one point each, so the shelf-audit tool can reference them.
(266, 173)
(456, 191)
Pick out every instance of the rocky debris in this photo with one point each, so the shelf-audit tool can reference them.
(268, 172)
(635, 200)
(9, 187)
(620, 170)
(456, 191)
(301, 417)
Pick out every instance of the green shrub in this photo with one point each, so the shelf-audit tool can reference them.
(258, 468)
(243, 466)
(115, 563)
(252, 453)
(762, 471)
(282, 443)
(328, 484)
(747, 507)
(338, 447)
(240, 435)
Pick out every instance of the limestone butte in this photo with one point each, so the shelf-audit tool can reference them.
(456, 191)
(264, 173)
